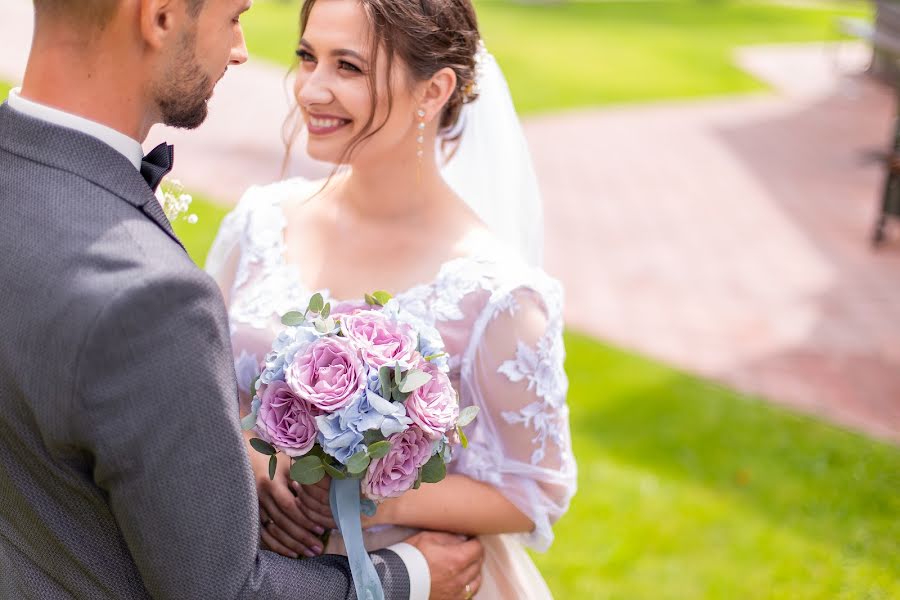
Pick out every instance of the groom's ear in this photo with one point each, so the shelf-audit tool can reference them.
(437, 92)
(160, 20)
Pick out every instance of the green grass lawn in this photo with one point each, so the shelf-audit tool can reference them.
(689, 490)
(564, 55)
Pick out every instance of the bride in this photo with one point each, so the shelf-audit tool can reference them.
(401, 94)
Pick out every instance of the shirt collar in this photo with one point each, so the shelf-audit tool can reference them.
(126, 146)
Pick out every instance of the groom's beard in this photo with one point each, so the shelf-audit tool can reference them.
(183, 97)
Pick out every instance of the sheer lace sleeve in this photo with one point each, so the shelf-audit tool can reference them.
(514, 372)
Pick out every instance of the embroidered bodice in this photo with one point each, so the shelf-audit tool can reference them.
(502, 324)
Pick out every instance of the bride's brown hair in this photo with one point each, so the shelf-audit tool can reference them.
(427, 36)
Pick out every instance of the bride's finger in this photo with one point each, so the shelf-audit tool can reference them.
(269, 542)
(297, 538)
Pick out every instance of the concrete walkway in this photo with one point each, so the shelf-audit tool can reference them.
(728, 237)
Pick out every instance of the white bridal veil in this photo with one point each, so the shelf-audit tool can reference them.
(492, 168)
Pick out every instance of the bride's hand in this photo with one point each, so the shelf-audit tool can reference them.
(285, 527)
(383, 515)
(315, 503)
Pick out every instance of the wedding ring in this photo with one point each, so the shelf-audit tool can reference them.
(469, 593)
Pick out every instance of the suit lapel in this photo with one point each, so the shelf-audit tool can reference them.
(81, 155)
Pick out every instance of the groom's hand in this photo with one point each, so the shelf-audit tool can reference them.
(455, 564)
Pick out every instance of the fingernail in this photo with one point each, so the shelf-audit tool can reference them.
(294, 555)
(319, 529)
(309, 553)
(317, 549)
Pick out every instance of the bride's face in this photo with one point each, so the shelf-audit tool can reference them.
(333, 89)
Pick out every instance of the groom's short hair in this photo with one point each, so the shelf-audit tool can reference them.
(96, 13)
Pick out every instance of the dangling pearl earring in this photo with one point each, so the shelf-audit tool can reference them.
(420, 143)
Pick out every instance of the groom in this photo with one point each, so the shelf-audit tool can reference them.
(122, 469)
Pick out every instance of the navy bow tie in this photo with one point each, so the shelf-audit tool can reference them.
(157, 164)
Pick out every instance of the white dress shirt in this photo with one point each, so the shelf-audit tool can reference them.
(121, 143)
(416, 565)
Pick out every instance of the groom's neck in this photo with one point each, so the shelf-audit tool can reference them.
(96, 79)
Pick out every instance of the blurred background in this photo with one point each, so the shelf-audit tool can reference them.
(712, 172)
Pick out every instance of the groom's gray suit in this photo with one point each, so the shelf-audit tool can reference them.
(122, 469)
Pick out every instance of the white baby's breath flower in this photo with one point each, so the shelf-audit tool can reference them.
(175, 202)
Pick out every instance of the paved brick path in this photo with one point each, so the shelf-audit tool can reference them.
(726, 236)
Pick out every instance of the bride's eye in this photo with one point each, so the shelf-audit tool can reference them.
(349, 67)
(305, 56)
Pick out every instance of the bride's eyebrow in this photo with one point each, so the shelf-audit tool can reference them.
(340, 53)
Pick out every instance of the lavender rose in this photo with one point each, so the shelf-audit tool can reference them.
(434, 406)
(395, 473)
(286, 421)
(328, 373)
(382, 340)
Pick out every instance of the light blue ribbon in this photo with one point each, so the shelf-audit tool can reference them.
(346, 507)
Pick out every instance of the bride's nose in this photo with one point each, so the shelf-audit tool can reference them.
(313, 88)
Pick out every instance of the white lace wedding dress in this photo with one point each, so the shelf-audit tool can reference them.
(501, 321)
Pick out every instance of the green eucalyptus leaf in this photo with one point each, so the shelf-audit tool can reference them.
(434, 470)
(384, 377)
(262, 446)
(382, 297)
(253, 387)
(379, 450)
(432, 357)
(418, 482)
(398, 396)
(414, 380)
(293, 318)
(370, 300)
(326, 310)
(333, 472)
(462, 437)
(372, 436)
(467, 415)
(316, 303)
(358, 463)
(308, 470)
(273, 462)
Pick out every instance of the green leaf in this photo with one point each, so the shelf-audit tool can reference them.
(381, 297)
(434, 470)
(248, 422)
(262, 446)
(398, 375)
(467, 415)
(308, 470)
(432, 357)
(399, 396)
(326, 310)
(273, 462)
(418, 482)
(358, 463)
(293, 318)
(462, 437)
(384, 377)
(414, 380)
(372, 436)
(332, 471)
(316, 303)
(253, 388)
(379, 450)
(370, 300)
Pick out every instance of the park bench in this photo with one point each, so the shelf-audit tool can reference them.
(884, 35)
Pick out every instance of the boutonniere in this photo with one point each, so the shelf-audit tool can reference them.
(175, 202)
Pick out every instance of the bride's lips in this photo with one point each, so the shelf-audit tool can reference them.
(325, 124)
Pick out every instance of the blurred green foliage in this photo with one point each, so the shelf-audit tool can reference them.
(559, 55)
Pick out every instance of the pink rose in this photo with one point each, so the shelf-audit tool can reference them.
(434, 406)
(286, 421)
(328, 373)
(382, 341)
(344, 309)
(395, 473)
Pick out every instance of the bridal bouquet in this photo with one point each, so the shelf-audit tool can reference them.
(360, 393)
